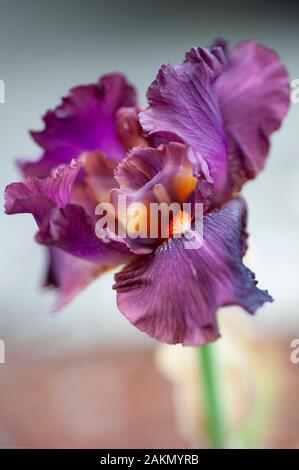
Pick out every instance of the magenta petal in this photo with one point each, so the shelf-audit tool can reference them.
(38, 197)
(253, 94)
(174, 293)
(183, 107)
(72, 230)
(69, 275)
(85, 121)
(62, 225)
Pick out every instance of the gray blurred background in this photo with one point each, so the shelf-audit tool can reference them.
(48, 46)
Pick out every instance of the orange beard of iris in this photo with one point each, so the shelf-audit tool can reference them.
(182, 186)
(180, 224)
(179, 189)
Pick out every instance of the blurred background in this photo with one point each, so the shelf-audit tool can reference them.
(85, 377)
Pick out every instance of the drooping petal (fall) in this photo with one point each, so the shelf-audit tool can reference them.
(61, 224)
(70, 275)
(72, 230)
(173, 294)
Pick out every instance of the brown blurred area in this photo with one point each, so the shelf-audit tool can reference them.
(112, 399)
(121, 399)
(259, 386)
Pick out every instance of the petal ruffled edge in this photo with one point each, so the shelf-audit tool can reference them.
(183, 107)
(86, 120)
(173, 294)
(253, 92)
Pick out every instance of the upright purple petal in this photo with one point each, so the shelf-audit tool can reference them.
(253, 93)
(84, 121)
(173, 294)
(183, 107)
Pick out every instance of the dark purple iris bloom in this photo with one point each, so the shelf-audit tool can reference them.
(205, 132)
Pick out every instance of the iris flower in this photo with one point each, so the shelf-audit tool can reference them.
(204, 133)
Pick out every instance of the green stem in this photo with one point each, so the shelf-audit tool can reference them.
(212, 396)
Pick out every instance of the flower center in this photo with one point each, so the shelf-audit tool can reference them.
(184, 183)
(180, 224)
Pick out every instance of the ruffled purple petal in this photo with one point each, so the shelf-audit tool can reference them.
(253, 93)
(183, 107)
(38, 197)
(72, 230)
(174, 293)
(61, 224)
(85, 121)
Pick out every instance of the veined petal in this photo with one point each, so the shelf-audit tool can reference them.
(174, 293)
(254, 94)
(84, 121)
(183, 107)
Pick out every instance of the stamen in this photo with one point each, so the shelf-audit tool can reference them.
(184, 183)
(161, 193)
